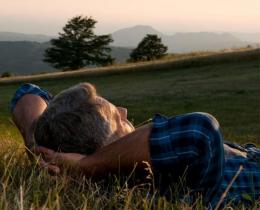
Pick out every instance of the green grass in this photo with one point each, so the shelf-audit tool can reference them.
(228, 89)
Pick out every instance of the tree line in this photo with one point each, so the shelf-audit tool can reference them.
(78, 46)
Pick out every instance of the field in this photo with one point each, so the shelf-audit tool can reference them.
(226, 86)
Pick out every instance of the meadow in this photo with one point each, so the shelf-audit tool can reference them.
(227, 86)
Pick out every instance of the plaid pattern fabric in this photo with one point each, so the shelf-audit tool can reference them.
(29, 89)
(192, 145)
(188, 146)
(246, 188)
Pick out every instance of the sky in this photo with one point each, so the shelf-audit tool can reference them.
(168, 16)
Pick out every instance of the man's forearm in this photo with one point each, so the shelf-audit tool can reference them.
(122, 155)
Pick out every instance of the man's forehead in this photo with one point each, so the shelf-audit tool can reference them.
(105, 103)
(102, 100)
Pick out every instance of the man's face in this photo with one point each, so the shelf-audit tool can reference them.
(117, 116)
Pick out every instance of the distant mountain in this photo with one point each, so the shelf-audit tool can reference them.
(179, 42)
(130, 37)
(249, 37)
(10, 36)
(121, 54)
(27, 57)
(186, 42)
(23, 57)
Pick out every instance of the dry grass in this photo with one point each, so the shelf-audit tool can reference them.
(23, 186)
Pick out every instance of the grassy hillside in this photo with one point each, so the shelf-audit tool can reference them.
(226, 86)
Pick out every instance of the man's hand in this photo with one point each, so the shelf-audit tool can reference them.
(56, 161)
(51, 168)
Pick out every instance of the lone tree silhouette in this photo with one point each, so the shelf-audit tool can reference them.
(78, 46)
(150, 48)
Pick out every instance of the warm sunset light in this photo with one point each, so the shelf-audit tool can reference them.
(168, 16)
(129, 104)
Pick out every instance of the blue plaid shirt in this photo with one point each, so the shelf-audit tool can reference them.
(246, 188)
(190, 146)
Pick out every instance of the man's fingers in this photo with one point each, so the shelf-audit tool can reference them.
(47, 161)
(51, 168)
(47, 154)
(58, 159)
(42, 150)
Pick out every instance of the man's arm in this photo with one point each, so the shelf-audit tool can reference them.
(122, 155)
(25, 113)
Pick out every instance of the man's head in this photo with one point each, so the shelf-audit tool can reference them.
(78, 120)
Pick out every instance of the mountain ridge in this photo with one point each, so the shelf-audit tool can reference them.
(16, 36)
(179, 42)
(131, 36)
(24, 57)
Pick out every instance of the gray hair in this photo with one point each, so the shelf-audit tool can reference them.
(73, 122)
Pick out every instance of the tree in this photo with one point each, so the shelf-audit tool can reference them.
(6, 74)
(78, 46)
(150, 48)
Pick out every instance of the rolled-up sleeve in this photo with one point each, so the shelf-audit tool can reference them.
(29, 89)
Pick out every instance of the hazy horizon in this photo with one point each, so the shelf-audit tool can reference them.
(169, 17)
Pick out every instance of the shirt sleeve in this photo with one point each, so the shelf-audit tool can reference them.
(29, 88)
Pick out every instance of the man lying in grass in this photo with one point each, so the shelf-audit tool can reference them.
(83, 131)
(77, 120)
